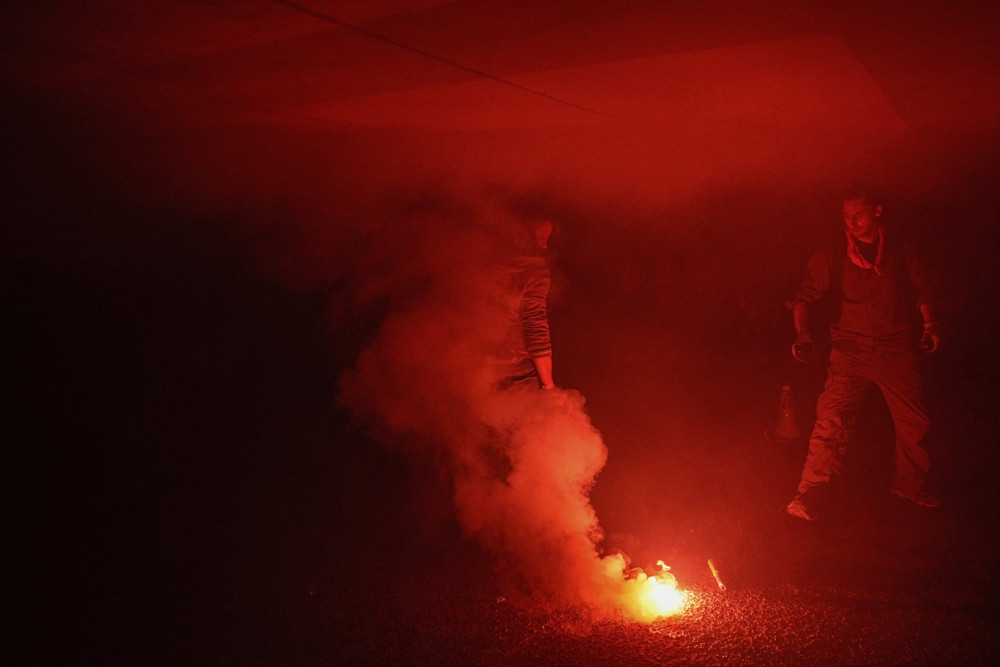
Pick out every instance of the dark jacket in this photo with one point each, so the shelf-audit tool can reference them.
(526, 281)
(866, 303)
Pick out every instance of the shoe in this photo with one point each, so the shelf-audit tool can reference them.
(799, 510)
(921, 498)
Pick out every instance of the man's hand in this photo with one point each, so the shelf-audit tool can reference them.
(803, 348)
(931, 339)
(543, 366)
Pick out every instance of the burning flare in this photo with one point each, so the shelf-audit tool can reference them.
(648, 597)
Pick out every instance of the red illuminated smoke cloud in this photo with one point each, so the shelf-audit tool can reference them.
(521, 463)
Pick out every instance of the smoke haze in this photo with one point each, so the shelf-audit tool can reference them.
(520, 463)
(174, 173)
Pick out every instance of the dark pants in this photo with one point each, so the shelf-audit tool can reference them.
(522, 377)
(856, 365)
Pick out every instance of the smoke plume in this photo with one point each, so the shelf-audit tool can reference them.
(521, 462)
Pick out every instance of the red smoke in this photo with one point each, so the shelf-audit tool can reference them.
(521, 462)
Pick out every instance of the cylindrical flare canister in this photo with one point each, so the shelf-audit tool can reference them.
(715, 573)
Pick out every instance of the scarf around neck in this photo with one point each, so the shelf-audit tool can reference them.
(855, 254)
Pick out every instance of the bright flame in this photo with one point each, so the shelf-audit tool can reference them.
(667, 600)
(649, 597)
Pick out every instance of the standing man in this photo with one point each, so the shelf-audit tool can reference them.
(878, 291)
(528, 354)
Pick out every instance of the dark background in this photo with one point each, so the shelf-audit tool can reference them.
(187, 189)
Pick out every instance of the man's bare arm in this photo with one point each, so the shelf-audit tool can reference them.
(543, 366)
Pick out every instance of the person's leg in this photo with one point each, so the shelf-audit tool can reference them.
(898, 379)
(845, 389)
(837, 404)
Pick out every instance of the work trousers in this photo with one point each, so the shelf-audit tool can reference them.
(856, 365)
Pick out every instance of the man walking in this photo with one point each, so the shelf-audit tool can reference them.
(877, 288)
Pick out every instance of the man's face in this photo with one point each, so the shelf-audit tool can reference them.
(861, 218)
